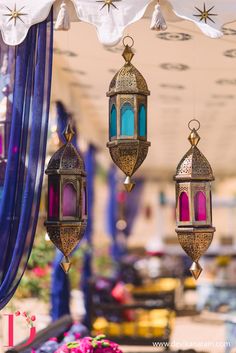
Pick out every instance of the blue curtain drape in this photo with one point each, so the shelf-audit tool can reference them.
(131, 208)
(27, 148)
(90, 164)
(112, 215)
(132, 205)
(60, 289)
(60, 284)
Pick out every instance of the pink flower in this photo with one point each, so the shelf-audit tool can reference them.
(33, 318)
(39, 271)
(24, 314)
(53, 339)
(17, 313)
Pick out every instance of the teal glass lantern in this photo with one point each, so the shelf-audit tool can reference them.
(128, 93)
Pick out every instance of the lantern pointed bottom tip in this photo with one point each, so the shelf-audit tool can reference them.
(129, 185)
(196, 270)
(66, 265)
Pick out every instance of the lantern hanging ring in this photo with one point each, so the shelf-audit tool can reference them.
(191, 127)
(126, 44)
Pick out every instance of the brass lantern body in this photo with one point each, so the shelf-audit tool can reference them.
(66, 169)
(193, 203)
(128, 87)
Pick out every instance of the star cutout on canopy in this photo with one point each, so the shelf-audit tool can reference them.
(108, 3)
(15, 14)
(205, 14)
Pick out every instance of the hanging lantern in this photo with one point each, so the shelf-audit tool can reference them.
(67, 198)
(193, 202)
(128, 94)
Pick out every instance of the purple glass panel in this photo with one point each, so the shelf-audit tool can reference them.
(69, 201)
(200, 206)
(184, 214)
(1, 145)
(53, 201)
(84, 202)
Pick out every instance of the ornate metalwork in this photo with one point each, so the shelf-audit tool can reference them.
(66, 167)
(193, 177)
(66, 236)
(128, 155)
(128, 87)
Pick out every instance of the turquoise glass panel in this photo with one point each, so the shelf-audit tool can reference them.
(142, 121)
(127, 120)
(113, 122)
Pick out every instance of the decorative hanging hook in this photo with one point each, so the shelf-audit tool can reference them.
(132, 41)
(194, 128)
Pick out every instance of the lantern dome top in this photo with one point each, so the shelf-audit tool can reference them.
(128, 80)
(194, 166)
(67, 159)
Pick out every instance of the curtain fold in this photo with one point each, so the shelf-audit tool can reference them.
(130, 205)
(117, 249)
(19, 206)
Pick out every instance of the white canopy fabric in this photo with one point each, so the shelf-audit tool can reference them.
(111, 17)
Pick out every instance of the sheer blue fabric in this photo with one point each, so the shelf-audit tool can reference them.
(25, 167)
(90, 165)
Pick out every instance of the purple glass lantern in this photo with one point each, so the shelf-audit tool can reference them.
(67, 198)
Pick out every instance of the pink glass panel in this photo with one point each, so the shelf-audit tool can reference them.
(200, 206)
(84, 202)
(53, 201)
(184, 214)
(69, 201)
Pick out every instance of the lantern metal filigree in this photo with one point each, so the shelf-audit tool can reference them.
(67, 198)
(128, 94)
(193, 202)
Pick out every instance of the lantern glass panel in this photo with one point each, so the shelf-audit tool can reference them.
(184, 214)
(84, 208)
(142, 121)
(127, 120)
(53, 198)
(113, 122)
(200, 206)
(69, 201)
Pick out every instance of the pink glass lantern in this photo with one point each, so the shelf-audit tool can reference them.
(193, 202)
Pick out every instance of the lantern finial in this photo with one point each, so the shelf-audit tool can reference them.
(195, 270)
(128, 53)
(129, 185)
(66, 265)
(194, 138)
(69, 133)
